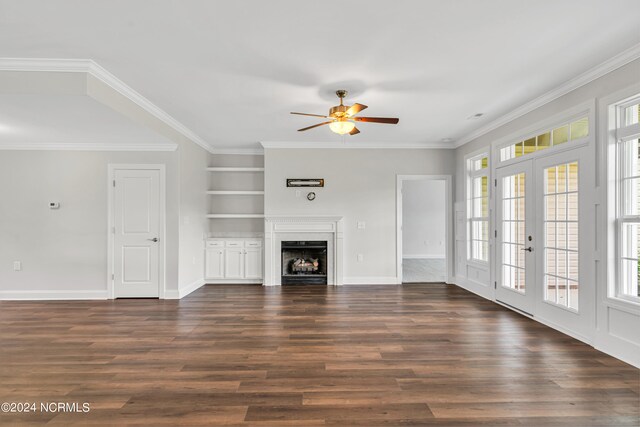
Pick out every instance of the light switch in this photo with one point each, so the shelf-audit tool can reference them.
(361, 225)
(17, 265)
(360, 257)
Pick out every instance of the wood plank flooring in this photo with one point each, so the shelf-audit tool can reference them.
(306, 356)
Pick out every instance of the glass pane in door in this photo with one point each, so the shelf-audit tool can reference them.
(513, 232)
(561, 282)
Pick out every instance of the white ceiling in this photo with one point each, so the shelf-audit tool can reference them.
(35, 120)
(231, 71)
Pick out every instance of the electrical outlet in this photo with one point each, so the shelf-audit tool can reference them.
(360, 257)
(17, 265)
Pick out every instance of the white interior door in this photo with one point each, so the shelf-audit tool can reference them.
(515, 272)
(136, 233)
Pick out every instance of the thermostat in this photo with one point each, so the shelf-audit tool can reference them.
(54, 205)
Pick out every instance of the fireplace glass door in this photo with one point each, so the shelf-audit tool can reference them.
(304, 262)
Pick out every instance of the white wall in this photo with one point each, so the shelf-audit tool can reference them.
(193, 227)
(360, 185)
(64, 252)
(619, 338)
(423, 222)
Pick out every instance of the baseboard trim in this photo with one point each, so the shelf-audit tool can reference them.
(53, 295)
(233, 281)
(416, 256)
(619, 348)
(370, 280)
(184, 291)
(477, 288)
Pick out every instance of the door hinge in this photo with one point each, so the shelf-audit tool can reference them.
(495, 182)
(495, 285)
(112, 277)
(495, 233)
(114, 182)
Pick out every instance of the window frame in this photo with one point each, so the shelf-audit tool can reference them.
(623, 134)
(471, 174)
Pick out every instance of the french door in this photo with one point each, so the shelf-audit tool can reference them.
(542, 241)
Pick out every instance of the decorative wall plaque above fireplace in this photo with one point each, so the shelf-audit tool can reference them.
(305, 182)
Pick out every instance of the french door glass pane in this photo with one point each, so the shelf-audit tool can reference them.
(513, 232)
(561, 281)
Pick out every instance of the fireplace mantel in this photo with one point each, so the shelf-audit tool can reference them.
(279, 228)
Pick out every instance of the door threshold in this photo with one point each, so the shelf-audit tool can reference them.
(514, 308)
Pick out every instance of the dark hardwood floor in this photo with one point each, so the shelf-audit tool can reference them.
(306, 355)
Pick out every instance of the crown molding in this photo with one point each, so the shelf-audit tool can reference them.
(92, 68)
(87, 146)
(357, 145)
(239, 151)
(588, 76)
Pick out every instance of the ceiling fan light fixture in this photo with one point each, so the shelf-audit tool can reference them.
(341, 127)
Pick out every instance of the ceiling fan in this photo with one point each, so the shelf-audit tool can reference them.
(342, 117)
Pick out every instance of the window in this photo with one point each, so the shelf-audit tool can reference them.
(628, 195)
(573, 131)
(478, 208)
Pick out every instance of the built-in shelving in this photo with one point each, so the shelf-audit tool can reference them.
(236, 192)
(230, 192)
(235, 215)
(227, 169)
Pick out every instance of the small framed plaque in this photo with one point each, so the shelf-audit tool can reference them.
(305, 182)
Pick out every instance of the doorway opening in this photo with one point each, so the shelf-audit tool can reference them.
(424, 228)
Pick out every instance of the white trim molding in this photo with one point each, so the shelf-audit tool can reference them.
(357, 145)
(588, 76)
(87, 146)
(239, 151)
(53, 295)
(186, 290)
(92, 68)
(374, 280)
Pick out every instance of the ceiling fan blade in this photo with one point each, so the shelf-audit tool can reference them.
(314, 126)
(312, 115)
(355, 131)
(388, 120)
(355, 109)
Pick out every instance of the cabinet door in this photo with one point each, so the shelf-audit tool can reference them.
(253, 263)
(234, 263)
(214, 263)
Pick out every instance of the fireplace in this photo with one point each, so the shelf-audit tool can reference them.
(304, 262)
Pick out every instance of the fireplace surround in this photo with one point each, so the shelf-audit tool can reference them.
(281, 229)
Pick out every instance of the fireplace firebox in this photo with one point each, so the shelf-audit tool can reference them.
(304, 262)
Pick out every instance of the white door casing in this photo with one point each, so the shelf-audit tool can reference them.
(136, 231)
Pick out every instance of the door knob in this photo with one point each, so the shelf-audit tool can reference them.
(155, 239)
(529, 249)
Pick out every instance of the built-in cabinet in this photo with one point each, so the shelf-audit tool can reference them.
(233, 260)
